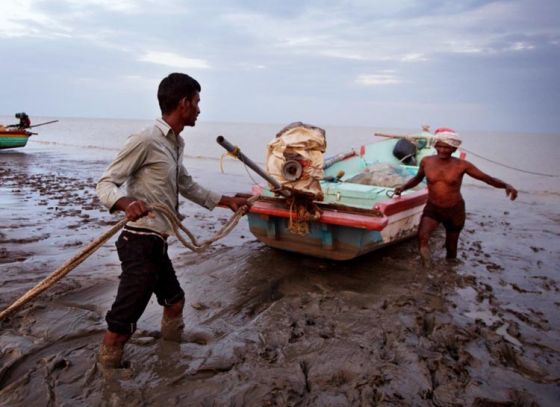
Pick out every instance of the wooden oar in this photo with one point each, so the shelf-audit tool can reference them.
(413, 137)
(420, 140)
(42, 124)
(30, 127)
(390, 135)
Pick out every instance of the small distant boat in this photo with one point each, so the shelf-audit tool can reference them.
(17, 135)
(358, 213)
(13, 138)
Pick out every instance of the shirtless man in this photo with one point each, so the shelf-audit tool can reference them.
(445, 203)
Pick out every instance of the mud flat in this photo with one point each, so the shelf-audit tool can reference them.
(268, 328)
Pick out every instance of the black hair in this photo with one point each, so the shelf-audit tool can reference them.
(173, 88)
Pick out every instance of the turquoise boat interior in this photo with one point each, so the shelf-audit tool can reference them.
(370, 157)
(340, 186)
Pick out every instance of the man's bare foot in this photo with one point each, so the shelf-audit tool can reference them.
(172, 328)
(426, 257)
(110, 357)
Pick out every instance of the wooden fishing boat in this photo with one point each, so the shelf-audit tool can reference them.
(356, 217)
(13, 137)
(16, 135)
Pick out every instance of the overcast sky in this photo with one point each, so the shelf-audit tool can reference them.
(467, 64)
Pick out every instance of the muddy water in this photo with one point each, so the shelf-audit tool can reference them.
(265, 327)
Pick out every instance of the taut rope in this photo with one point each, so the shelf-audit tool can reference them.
(76, 260)
(508, 166)
(433, 138)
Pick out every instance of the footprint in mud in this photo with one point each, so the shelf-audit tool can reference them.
(510, 357)
(198, 337)
(57, 356)
(73, 243)
(13, 256)
(426, 324)
(493, 267)
(535, 320)
(296, 331)
(522, 290)
(516, 397)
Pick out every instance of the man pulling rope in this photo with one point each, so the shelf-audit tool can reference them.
(150, 165)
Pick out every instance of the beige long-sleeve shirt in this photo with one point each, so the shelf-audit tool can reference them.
(149, 168)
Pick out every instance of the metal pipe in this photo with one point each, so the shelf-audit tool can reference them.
(247, 161)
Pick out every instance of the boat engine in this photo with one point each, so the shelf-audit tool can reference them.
(295, 159)
(292, 169)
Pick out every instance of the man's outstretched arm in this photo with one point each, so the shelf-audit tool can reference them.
(495, 182)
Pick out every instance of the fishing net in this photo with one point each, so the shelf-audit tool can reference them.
(382, 175)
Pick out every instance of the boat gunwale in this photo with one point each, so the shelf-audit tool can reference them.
(12, 133)
(376, 218)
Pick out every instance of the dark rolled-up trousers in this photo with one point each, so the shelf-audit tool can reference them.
(146, 269)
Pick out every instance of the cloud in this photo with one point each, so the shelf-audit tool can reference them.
(343, 54)
(77, 18)
(20, 18)
(380, 79)
(174, 60)
(414, 57)
(463, 47)
(521, 46)
(410, 32)
(250, 67)
(406, 49)
(122, 6)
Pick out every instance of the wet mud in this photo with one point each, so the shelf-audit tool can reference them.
(270, 328)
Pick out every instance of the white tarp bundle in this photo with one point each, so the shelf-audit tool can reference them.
(305, 144)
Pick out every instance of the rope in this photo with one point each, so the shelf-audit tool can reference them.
(194, 244)
(301, 213)
(234, 153)
(250, 176)
(77, 259)
(510, 167)
(62, 270)
(433, 138)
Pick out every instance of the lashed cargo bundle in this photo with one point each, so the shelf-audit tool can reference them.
(295, 158)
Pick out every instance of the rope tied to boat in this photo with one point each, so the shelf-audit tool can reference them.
(509, 166)
(233, 153)
(302, 211)
(194, 244)
(79, 258)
